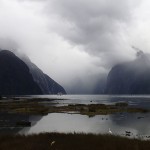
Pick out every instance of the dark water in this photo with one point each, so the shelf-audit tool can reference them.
(137, 124)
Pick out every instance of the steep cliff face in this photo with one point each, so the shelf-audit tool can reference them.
(15, 78)
(130, 78)
(46, 84)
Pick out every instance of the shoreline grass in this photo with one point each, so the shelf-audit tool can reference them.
(35, 107)
(70, 142)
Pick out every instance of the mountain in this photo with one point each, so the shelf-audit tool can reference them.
(130, 77)
(46, 84)
(100, 86)
(15, 77)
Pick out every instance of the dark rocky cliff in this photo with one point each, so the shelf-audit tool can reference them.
(47, 85)
(15, 78)
(130, 78)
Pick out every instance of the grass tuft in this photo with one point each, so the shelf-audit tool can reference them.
(70, 142)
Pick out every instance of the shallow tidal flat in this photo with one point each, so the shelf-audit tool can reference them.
(35, 106)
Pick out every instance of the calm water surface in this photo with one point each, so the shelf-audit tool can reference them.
(136, 123)
(139, 101)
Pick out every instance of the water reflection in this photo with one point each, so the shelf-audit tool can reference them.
(11, 123)
(137, 124)
(8, 122)
(59, 122)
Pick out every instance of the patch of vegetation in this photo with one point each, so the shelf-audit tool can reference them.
(121, 104)
(25, 107)
(102, 109)
(70, 141)
(34, 106)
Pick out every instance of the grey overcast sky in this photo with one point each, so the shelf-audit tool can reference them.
(75, 42)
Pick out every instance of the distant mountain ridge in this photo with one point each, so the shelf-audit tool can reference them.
(46, 84)
(22, 77)
(130, 77)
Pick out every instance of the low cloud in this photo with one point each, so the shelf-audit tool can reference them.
(97, 26)
(75, 42)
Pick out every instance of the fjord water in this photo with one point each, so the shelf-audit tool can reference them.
(119, 123)
(142, 101)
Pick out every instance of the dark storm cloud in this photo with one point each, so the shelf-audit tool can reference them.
(94, 24)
